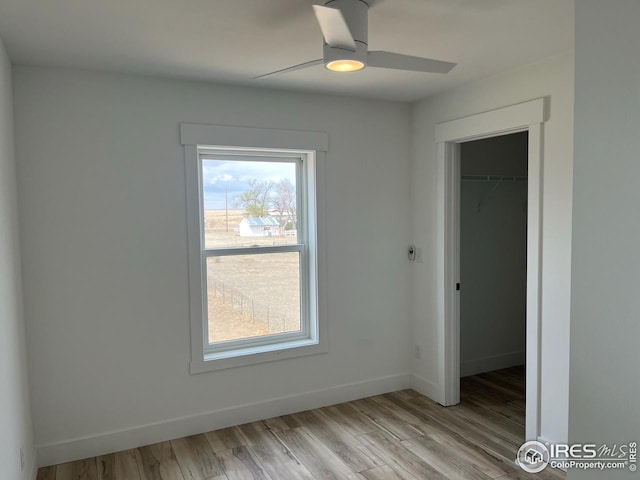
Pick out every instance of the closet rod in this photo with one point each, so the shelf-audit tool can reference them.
(494, 178)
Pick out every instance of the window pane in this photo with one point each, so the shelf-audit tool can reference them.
(249, 203)
(253, 295)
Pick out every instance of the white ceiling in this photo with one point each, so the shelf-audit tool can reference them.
(232, 41)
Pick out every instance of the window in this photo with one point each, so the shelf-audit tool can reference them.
(253, 248)
(255, 251)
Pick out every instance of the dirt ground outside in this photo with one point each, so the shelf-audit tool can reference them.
(249, 295)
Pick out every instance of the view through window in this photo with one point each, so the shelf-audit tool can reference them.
(253, 248)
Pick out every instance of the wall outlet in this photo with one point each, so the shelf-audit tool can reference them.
(22, 459)
(418, 351)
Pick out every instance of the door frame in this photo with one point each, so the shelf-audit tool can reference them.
(524, 117)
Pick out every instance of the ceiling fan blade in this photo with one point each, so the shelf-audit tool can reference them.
(334, 28)
(312, 63)
(407, 62)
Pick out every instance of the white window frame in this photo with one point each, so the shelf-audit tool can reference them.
(304, 162)
(305, 148)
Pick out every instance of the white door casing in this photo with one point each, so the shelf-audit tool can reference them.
(529, 117)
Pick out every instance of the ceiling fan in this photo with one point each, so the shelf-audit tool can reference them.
(344, 25)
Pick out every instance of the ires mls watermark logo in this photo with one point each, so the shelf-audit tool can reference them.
(533, 456)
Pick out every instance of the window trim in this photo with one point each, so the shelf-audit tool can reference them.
(214, 137)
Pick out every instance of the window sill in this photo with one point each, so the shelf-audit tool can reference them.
(256, 355)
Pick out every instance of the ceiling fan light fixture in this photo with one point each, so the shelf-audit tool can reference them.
(345, 31)
(345, 65)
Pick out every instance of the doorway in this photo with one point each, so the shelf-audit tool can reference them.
(526, 117)
(493, 253)
(493, 277)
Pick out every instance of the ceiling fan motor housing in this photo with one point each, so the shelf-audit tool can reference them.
(355, 13)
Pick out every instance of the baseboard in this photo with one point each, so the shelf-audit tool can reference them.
(34, 466)
(494, 362)
(426, 387)
(117, 440)
(549, 442)
(545, 441)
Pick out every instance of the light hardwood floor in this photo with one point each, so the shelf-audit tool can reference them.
(401, 435)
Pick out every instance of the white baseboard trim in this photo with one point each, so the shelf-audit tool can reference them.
(426, 387)
(494, 362)
(545, 441)
(549, 442)
(33, 470)
(117, 440)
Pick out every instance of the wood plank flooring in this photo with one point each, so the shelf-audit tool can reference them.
(397, 436)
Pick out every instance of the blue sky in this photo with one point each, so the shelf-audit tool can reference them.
(234, 175)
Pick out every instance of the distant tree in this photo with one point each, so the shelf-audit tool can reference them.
(255, 201)
(283, 200)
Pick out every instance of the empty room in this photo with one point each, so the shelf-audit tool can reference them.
(344, 239)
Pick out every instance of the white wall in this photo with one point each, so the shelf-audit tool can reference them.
(493, 255)
(552, 78)
(101, 184)
(605, 327)
(15, 408)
